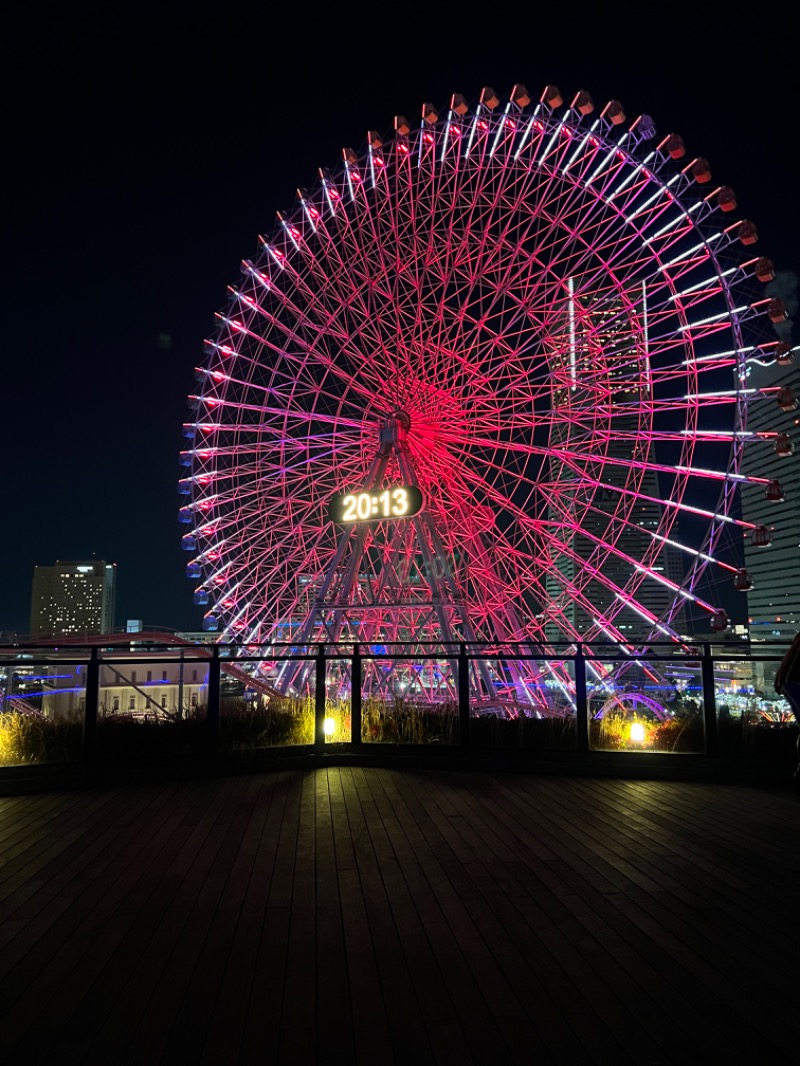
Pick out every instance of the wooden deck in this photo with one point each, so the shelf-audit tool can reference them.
(372, 915)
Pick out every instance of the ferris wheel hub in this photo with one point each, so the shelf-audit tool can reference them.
(395, 429)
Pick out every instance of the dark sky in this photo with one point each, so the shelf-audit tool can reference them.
(146, 150)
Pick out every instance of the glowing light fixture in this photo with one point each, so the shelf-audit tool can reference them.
(637, 733)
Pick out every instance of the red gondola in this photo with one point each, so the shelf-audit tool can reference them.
(742, 581)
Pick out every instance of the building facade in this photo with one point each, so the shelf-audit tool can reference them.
(773, 602)
(73, 599)
(600, 351)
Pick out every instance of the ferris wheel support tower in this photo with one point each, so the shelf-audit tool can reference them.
(335, 599)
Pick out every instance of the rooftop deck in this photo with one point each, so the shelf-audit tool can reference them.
(371, 915)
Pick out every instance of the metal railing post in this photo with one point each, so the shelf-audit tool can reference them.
(319, 699)
(355, 697)
(91, 701)
(212, 711)
(463, 697)
(581, 701)
(709, 701)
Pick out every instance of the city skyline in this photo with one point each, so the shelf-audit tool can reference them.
(132, 212)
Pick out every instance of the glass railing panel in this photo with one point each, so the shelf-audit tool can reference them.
(266, 701)
(252, 721)
(42, 703)
(152, 702)
(752, 718)
(646, 703)
(522, 701)
(269, 699)
(336, 723)
(408, 699)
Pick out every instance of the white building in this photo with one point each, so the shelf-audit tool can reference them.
(153, 685)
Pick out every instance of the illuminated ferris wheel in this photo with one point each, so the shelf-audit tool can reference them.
(486, 381)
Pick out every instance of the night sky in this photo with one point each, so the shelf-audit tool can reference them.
(145, 151)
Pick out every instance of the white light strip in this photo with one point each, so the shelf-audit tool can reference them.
(711, 320)
(446, 139)
(471, 138)
(628, 180)
(651, 618)
(612, 153)
(576, 153)
(501, 125)
(704, 284)
(533, 123)
(721, 394)
(554, 137)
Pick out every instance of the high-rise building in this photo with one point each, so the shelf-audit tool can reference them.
(598, 356)
(773, 603)
(73, 598)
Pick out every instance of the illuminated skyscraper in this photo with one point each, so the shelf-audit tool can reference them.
(600, 354)
(73, 598)
(773, 603)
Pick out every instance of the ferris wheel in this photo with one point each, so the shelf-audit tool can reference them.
(485, 381)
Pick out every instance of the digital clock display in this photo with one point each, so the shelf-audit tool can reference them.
(397, 501)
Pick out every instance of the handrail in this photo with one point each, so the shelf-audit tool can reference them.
(233, 659)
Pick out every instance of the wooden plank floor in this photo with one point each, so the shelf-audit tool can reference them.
(371, 915)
